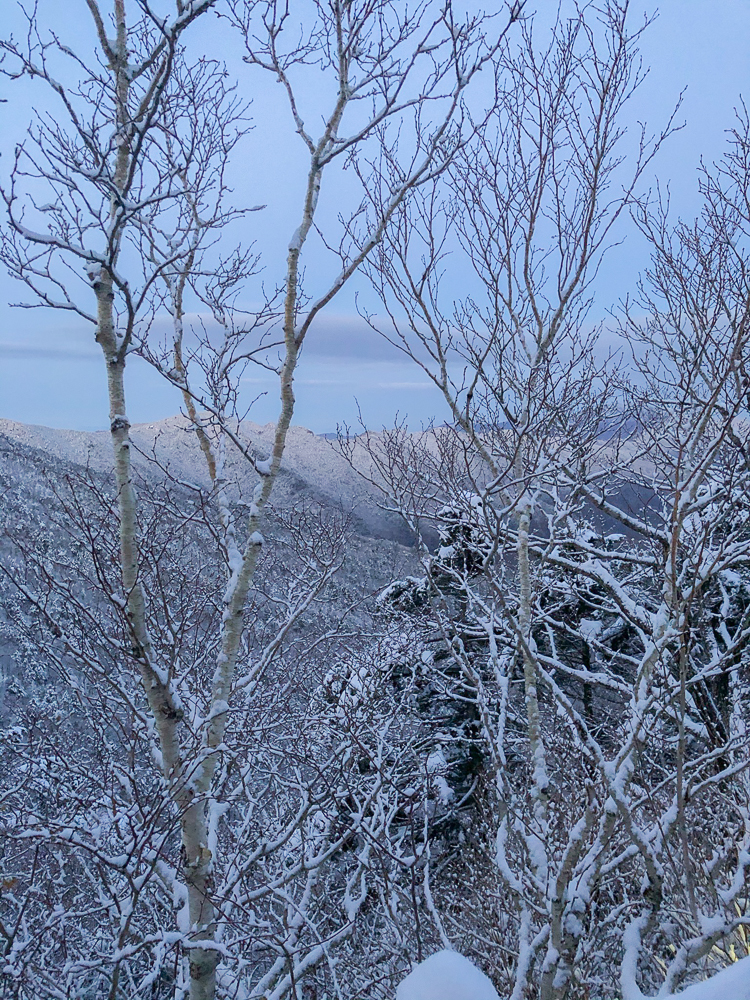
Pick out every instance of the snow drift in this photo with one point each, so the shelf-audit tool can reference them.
(732, 983)
(447, 975)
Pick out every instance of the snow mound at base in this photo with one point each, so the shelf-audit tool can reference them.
(447, 975)
(732, 983)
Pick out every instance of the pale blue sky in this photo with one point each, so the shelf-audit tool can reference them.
(51, 370)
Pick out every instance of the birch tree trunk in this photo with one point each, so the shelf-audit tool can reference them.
(162, 700)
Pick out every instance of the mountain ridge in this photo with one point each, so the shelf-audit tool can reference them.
(313, 466)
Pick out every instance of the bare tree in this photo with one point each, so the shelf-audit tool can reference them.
(589, 535)
(690, 352)
(85, 809)
(136, 173)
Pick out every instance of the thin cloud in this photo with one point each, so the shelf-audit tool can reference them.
(404, 385)
(32, 353)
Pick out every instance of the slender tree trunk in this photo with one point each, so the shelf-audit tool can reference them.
(162, 700)
(531, 693)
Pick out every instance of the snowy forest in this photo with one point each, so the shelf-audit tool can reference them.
(292, 718)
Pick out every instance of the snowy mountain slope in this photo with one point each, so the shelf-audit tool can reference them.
(37, 462)
(313, 466)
